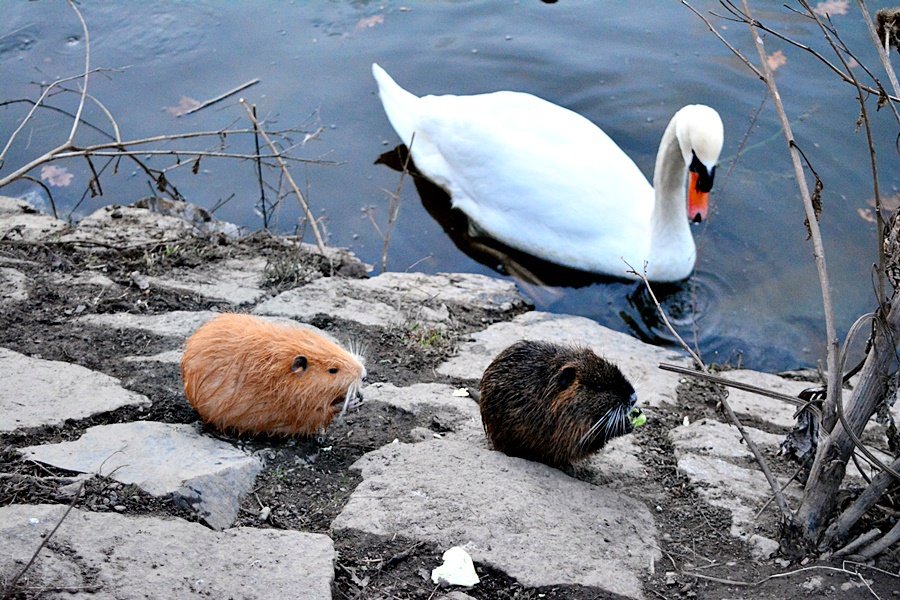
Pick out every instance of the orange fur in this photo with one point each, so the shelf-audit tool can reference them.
(237, 375)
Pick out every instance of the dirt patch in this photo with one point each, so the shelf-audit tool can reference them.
(370, 566)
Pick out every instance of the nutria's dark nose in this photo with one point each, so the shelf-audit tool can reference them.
(359, 395)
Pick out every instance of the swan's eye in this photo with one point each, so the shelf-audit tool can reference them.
(704, 176)
(333, 370)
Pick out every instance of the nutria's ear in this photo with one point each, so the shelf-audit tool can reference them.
(300, 364)
(566, 376)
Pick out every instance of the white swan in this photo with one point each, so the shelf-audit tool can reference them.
(545, 180)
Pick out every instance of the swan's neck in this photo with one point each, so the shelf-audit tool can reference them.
(671, 242)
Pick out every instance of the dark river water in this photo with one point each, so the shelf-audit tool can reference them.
(625, 65)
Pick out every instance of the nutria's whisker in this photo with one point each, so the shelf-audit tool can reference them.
(601, 423)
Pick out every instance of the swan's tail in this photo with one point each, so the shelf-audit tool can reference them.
(401, 106)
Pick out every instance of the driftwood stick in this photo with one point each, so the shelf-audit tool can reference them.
(879, 546)
(840, 529)
(221, 97)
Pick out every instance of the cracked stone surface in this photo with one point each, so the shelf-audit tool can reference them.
(393, 298)
(205, 473)
(178, 323)
(20, 221)
(236, 281)
(452, 493)
(637, 360)
(721, 469)
(775, 412)
(461, 414)
(13, 286)
(131, 558)
(47, 392)
(126, 226)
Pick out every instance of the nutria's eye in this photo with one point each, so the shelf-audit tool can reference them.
(566, 376)
(299, 364)
(333, 370)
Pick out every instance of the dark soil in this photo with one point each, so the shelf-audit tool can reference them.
(307, 481)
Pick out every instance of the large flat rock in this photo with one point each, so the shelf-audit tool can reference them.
(205, 473)
(110, 556)
(637, 360)
(38, 392)
(20, 221)
(533, 522)
(237, 281)
(394, 298)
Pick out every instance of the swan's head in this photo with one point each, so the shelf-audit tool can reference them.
(700, 135)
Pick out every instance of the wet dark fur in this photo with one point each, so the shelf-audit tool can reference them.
(540, 401)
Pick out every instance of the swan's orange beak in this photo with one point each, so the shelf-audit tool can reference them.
(698, 202)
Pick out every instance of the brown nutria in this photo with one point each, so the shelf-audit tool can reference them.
(553, 404)
(244, 374)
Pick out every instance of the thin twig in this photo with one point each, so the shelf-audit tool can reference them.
(87, 73)
(394, 206)
(770, 577)
(881, 49)
(726, 406)
(873, 162)
(309, 216)
(7, 591)
(734, 50)
(833, 377)
(259, 177)
(46, 191)
(221, 97)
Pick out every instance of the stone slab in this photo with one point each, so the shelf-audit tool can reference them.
(236, 281)
(533, 522)
(720, 467)
(108, 556)
(20, 221)
(775, 412)
(47, 392)
(204, 473)
(178, 323)
(394, 298)
(126, 226)
(461, 414)
(637, 360)
(13, 286)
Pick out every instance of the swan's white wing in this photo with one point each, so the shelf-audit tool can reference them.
(536, 176)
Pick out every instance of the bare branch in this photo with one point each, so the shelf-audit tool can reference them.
(303, 204)
(87, 72)
(880, 47)
(833, 377)
(394, 205)
(734, 50)
(726, 406)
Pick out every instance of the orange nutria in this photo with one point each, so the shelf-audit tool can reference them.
(247, 375)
